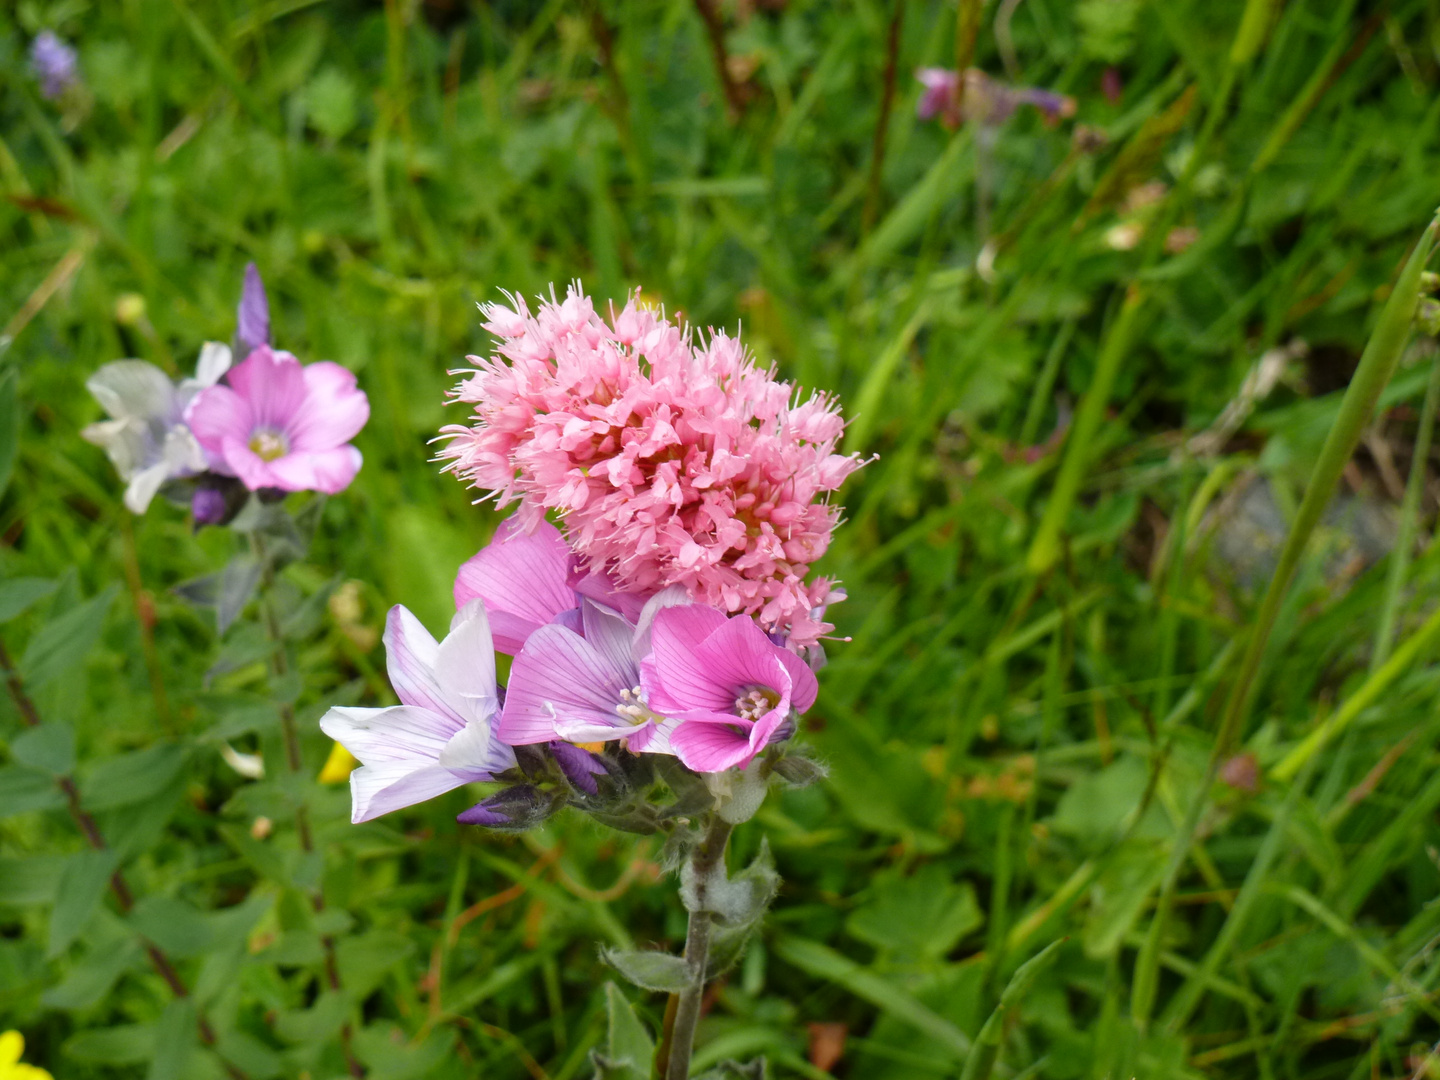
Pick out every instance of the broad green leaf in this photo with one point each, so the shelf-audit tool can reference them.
(128, 1044)
(48, 748)
(30, 880)
(364, 959)
(23, 789)
(175, 1042)
(17, 595)
(923, 915)
(131, 778)
(82, 886)
(174, 925)
(251, 1056)
(389, 1053)
(317, 1024)
(59, 648)
(88, 982)
(627, 1043)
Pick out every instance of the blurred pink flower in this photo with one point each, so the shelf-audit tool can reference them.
(667, 461)
(280, 425)
(990, 100)
(941, 87)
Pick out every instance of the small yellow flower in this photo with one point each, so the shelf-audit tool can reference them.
(338, 767)
(12, 1045)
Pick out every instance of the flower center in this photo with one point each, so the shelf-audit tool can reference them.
(268, 445)
(632, 707)
(759, 701)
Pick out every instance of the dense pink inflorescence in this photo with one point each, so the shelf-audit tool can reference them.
(667, 461)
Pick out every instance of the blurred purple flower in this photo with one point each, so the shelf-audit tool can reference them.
(442, 734)
(208, 506)
(991, 100)
(54, 63)
(280, 425)
(252, 326)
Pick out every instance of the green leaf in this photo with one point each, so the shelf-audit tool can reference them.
(82, 886)
(174, 925)
(649, 970)
(317, 1024)
(17, 595)
(175, 1038)
(825, 963)
(49, 748)
(131, 778)
(390, 1054)
(32, 880)
(59, 648)
(9, 424)
(981, 1060)
(22, 790)
(627, 1043)
(91, 980)
(923, 915)
(128, 1044)
(365, 959)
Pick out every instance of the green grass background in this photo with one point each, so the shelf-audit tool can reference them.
(1012, 754)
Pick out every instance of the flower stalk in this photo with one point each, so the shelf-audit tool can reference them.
(679, 1036)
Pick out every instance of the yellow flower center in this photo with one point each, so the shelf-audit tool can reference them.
(268, 445)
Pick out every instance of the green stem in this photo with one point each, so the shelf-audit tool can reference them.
(1409, 514)
(1045, 549)
(681, 1036)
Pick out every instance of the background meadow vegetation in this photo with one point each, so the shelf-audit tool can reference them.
(1016, 732)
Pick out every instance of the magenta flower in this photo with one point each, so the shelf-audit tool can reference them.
(280, 425)
(528, 580)
(581, 687)
(668, 461)
(442, 734)
(732, 689)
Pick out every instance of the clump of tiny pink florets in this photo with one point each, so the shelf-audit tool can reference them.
(667, 461)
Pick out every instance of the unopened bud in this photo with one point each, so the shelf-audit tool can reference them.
(579, 767)
(1427, 316)
(208, 506)
(129, 309)
(1429, 282)
(513, 809)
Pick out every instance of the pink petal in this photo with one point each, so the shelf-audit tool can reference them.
(411, 655)
(330, 471)
(675, 674)
(239, 460)
(740, 654)
(558, 675)
(334, 410)
(217, 414)
(804, 687)
(274, 385)
(519, 574)
(708, 746)
(611, 636)
(601, 588)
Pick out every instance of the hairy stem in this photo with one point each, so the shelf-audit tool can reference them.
(681, 1036)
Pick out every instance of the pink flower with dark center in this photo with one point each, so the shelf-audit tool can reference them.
(280, 425)
(731, 688)
(668, 462)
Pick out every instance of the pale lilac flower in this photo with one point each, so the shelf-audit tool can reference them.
(280, 425)
(990, 100)
(581, 687)
(146, 436)
(252, 322)
(668, 461)
(941, 87)
(54, 64)
(732, 689)
(442, 734)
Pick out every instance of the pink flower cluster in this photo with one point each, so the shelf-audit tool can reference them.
(668, 461)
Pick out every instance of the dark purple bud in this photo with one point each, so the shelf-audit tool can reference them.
(513, 809)
(208, 506)
(252, 327)
(579, 766)
(54, 63)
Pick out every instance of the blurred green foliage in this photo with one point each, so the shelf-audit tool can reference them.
(1012, 756)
